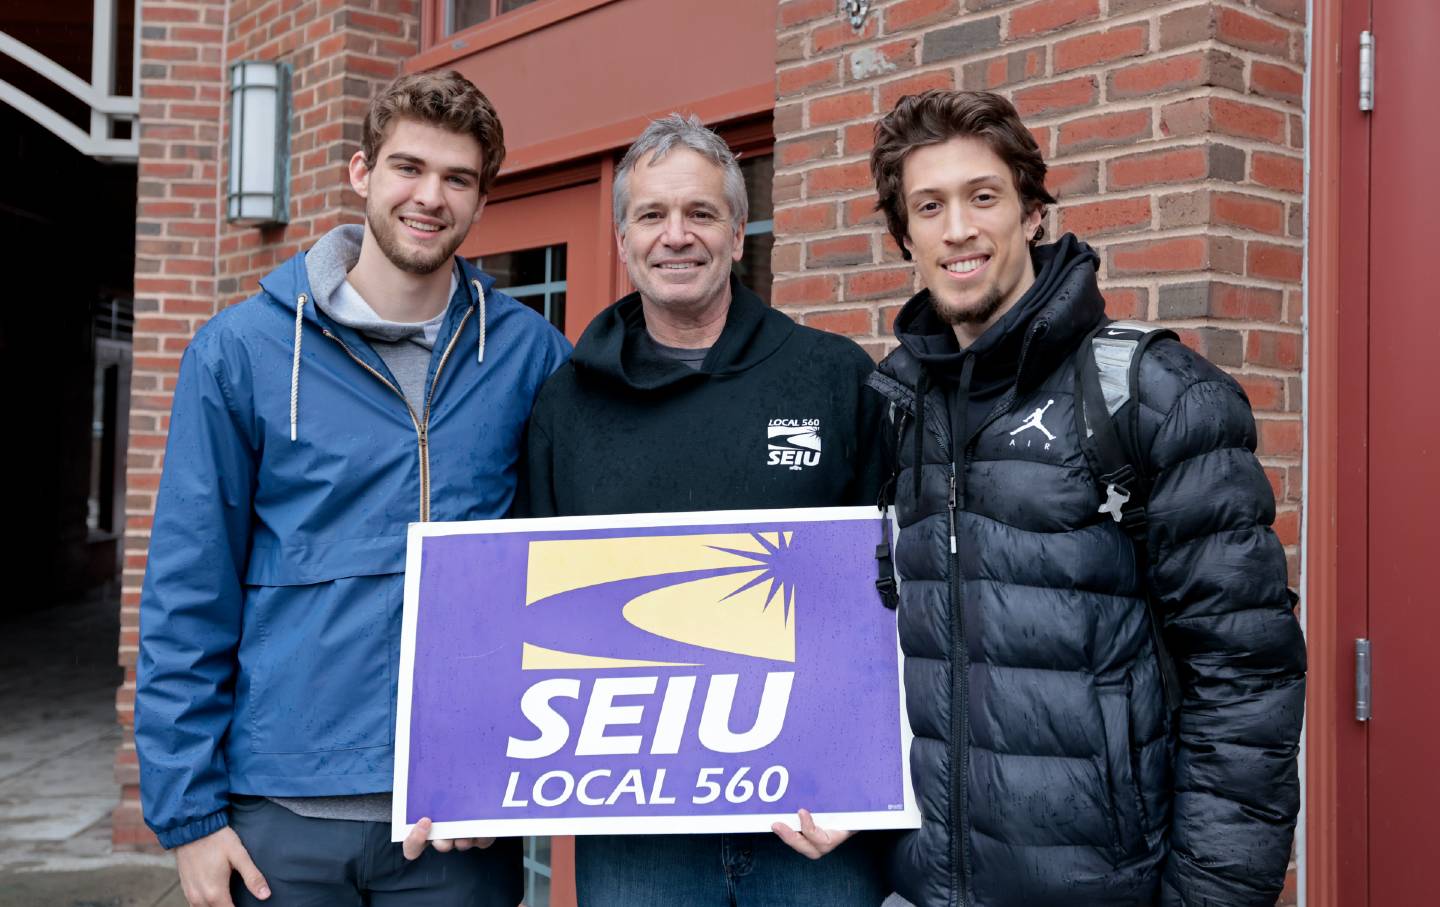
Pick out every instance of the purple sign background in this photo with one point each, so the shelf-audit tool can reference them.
(841, 737)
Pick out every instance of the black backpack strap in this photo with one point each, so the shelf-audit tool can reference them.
(1107, 417)
(885, 582)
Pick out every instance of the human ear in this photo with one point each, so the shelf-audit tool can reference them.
(359, 175)
(1032, 222)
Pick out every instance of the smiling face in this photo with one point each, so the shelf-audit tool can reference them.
(968, 232)
(678, 236)
(422, 194)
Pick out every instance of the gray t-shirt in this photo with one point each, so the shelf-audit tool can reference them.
(405, 346)
(688, 357)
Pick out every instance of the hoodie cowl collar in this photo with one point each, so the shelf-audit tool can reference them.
(611, 347)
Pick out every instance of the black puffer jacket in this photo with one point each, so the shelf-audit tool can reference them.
(1026, 635)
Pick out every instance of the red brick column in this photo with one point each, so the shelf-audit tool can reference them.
(189, 262)
(1174, 133)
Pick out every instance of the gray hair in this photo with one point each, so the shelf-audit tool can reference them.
(664, 135)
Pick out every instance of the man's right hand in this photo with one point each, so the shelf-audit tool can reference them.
(205, 866)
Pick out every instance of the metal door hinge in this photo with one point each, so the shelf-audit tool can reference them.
(1367, 71)
(1362, 680)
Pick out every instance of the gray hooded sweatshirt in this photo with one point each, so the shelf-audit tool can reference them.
(405, 347)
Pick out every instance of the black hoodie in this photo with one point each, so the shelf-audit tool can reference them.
(777, 416)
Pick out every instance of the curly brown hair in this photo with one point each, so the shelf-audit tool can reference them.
(937, 116)
(445, 99)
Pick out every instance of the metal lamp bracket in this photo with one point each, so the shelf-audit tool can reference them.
(857, 10)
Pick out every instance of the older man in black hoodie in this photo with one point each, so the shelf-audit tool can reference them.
(681, 397)
(1049, 768)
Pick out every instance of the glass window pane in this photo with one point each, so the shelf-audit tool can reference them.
(557, 262)
(465, 13)
(753, 268)
(759, 173)
(536, 277)
(537, 872)
(515, 269)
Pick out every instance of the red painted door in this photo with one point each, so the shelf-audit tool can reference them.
(1403, 548)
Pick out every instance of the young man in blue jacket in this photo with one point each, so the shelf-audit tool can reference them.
(374, 381)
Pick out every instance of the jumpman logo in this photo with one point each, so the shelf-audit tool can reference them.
(1034, 422)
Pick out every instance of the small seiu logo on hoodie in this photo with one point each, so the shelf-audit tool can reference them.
(794, 443)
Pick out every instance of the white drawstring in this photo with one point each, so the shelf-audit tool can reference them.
(480, 291)
(295, 364)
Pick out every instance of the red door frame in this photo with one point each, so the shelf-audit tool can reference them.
(544, 219)
(1337, 841)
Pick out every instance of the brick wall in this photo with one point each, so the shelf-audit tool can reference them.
(189, 262)
(1173, 129)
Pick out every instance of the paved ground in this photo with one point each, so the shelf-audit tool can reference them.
(57, 786)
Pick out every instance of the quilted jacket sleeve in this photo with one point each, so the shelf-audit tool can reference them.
(1219, 573)
(190, 610)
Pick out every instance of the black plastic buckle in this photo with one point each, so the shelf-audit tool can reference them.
(885, 579)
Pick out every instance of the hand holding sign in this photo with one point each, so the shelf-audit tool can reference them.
(811, 840)
(414, 844)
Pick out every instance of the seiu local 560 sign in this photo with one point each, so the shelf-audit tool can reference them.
(649, 674)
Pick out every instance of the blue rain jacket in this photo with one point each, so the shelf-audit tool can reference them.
(270, 617)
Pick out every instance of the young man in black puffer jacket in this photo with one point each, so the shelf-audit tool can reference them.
(1048, 766)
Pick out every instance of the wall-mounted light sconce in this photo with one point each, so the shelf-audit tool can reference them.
(858, 10)
(259, 143)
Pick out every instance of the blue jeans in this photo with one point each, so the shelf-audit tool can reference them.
(750, 870)
(339, 863)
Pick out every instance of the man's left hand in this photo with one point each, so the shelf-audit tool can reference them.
(811, 840)
(414, 843)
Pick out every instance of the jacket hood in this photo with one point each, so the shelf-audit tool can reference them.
(611, 346)
(328, 264)
(1045, 323)
(300, 281)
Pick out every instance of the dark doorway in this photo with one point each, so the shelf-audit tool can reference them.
(67, 231)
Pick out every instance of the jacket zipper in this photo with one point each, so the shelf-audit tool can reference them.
(425, 425)
(960, 688)
(422, 428)
(959, 713)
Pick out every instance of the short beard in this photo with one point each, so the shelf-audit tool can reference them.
(980, 314)
(384, 233)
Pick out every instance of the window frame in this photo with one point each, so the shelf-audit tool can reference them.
(499, 28)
